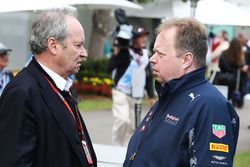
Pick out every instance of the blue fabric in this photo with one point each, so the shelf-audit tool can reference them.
(125, 83)
(192, 124)
(5, 77)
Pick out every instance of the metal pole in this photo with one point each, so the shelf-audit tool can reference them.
(138, 108)
(193, 7)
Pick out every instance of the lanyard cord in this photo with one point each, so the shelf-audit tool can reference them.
(78, 121)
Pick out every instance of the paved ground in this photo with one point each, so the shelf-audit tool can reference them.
(99, 124)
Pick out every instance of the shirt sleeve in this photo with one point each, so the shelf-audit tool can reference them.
(213, 138)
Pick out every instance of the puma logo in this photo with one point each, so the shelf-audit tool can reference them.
(193, 97)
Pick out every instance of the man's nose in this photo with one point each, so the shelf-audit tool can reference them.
(152, 59)
(84, 53)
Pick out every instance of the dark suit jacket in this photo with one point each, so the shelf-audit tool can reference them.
(36, 129)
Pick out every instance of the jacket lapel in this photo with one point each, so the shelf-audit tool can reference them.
(63, 118)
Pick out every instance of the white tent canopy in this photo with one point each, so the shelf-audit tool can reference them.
(102, 4)
(240, 2)
(156, 9)
(28, 5)
(216, 12)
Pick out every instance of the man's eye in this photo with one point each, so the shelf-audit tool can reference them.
(161, 54)
(79, 45)
(153, 52)
(158, 53)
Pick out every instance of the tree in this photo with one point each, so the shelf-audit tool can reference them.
(100, 29)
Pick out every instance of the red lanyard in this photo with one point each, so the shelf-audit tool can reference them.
(77, 122)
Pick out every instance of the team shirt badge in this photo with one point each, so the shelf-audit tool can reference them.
(218, 147)
(219, 130)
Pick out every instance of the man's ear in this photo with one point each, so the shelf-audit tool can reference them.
(52, 45)
(188, 60)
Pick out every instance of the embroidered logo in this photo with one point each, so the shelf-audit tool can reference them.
(218, 147)
(193, 97)
(219, 130)
(171, 119)
(220, 158)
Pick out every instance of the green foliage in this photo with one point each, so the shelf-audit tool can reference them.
(242, 159)
(94, 68)
(95, 104)
(93, 78)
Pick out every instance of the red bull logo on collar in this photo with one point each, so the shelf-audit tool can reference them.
(219, 130)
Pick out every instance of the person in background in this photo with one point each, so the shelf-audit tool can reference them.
(246, 49)
(212, 44)
(213, 41)
(138, 50)
(192, 123)
(124, 61)
(230, 62)
(40, 123)
(222, 45)
(5, 74)
(121, 106)
(140, 61)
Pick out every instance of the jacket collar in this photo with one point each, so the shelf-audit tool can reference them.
(185, 82)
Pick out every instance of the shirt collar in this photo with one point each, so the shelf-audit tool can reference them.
(3, 70)
(60, 82)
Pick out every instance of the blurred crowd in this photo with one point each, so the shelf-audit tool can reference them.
(229, 65)
(129, 64)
